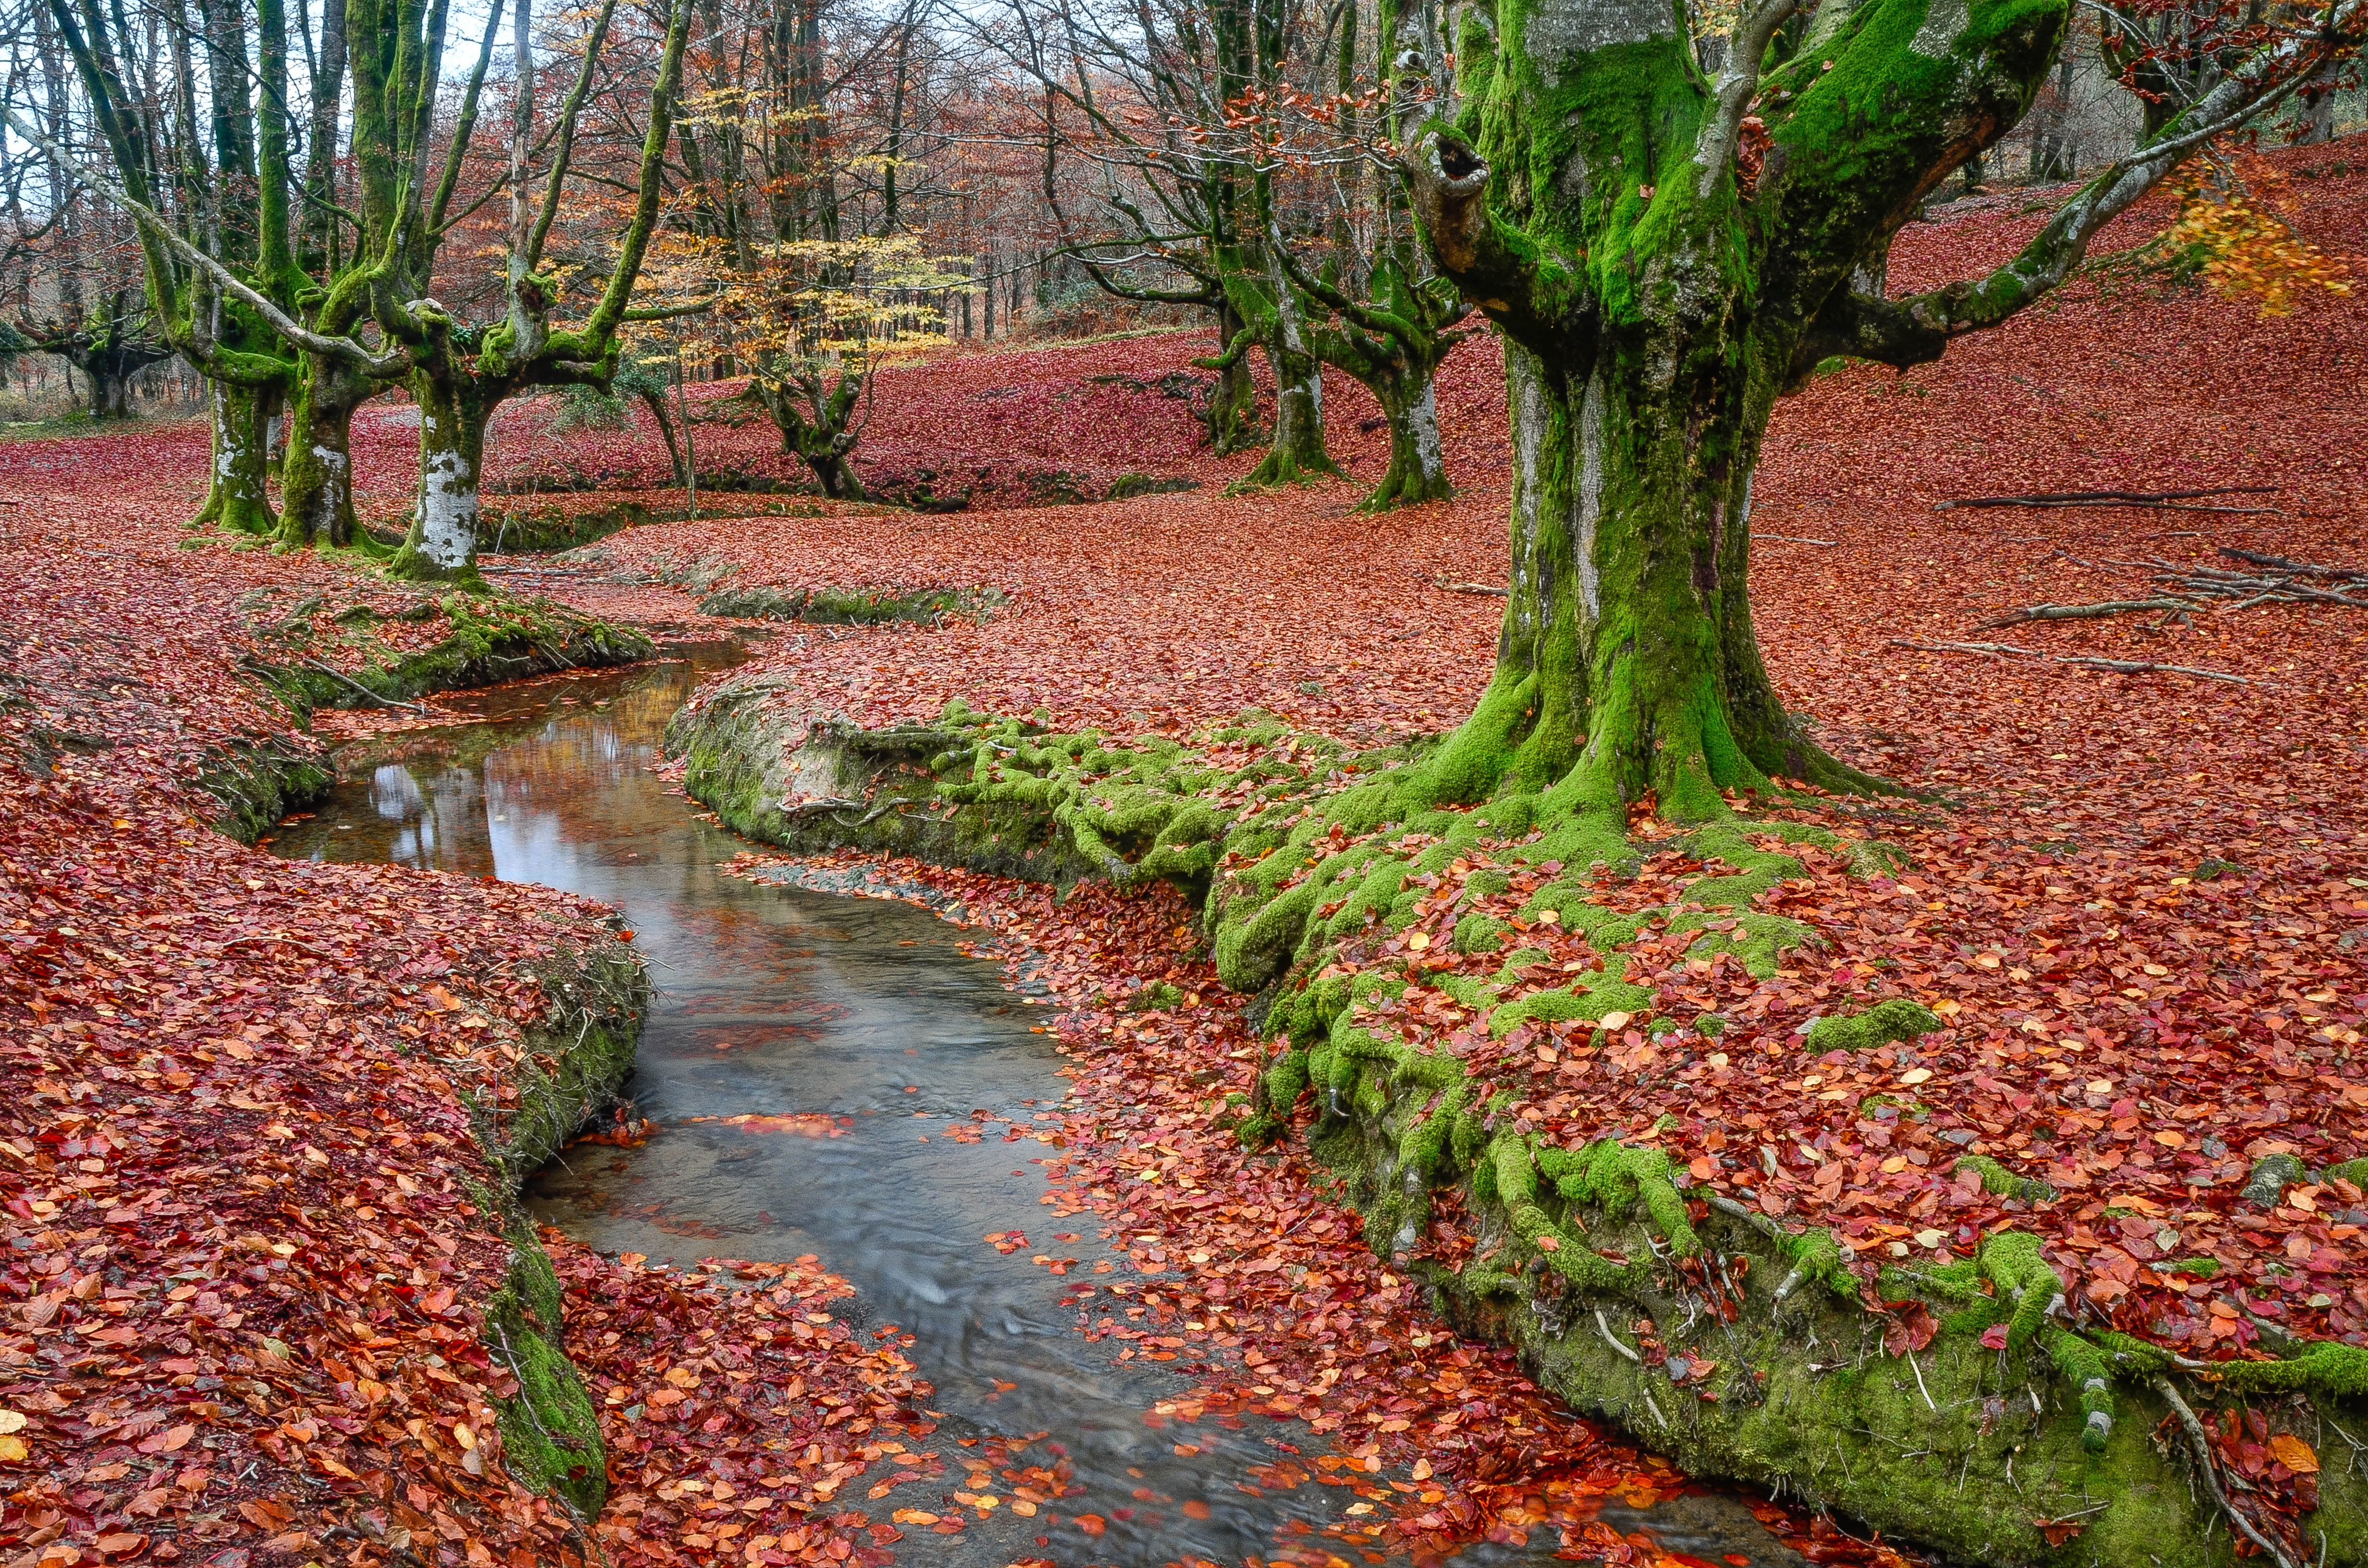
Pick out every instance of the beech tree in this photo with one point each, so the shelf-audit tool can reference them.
(1667, 252)
(319, 314)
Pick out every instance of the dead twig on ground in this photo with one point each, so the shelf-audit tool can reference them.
(2274, 580)
(2165, 499)
(2149, 667)
(1453, 587)
(2084, 613)
(2119, 666)
(1797, 538)
(1993, 649)
(2198, 1445)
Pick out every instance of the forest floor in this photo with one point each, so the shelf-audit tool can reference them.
(2144, 912)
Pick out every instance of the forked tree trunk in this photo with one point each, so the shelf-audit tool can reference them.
(447, 518)
(1657, 288)
(316, 476)
(238, 496)
(816, 426)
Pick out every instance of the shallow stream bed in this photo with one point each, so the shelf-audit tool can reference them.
(817, 1070)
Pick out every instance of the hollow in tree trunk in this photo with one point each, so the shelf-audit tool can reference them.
(238, 496)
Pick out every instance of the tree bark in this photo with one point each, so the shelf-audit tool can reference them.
(1232, 412)
(1417, 470)
(316, 476)
(238, 496)
(447, 518)
(1656, 296)
(1296, 454)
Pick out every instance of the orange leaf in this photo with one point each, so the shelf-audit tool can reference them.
(2294, 1454)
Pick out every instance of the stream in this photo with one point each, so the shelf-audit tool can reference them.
(860, 1031)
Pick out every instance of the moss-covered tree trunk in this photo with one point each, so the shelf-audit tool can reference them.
(238, 493)
(1660, 274)
(1296, 454)
(447, 516)
(816, 415)
(1417, 470)
(316, 476)
(1232, 411)
(1627, 642)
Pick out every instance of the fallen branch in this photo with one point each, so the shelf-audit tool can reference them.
(2085, 612)
(374, 697)
(1471, 588)
(2120, 667)
(2148, 666)
(2200, 1445)
(2115, 498)
(2300, 568)
(1991, 648)
(1797, 538)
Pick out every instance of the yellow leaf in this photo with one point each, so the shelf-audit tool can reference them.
(12, 1421)
(12, 1451)
(1916, 1075)
(1416, 942)
(1615, 1021)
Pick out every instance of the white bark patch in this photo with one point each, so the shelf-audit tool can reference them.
(1945, 23)
(332, 487)
(448, 508)
(1423, 420)
(1590, 494)
(227, 444)
(1529, 421)
(1559, 34)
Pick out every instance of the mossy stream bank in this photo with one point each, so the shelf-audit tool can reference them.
(574, 1061)
(1993, 1432)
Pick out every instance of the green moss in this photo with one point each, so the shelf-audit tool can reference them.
(259, 783)
(551, 1429)
(1997, 1179)
(853, 607)
(1614, 1176)
(1899, 1020)
(2328, 1369)
(2353, 1171)
(2083, 1367)
(2011, 1261)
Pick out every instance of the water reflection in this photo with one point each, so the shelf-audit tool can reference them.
(808, 1063)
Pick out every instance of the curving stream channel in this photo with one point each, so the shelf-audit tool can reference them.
(858, 1026)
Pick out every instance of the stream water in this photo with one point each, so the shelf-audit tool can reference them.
(858, 1025)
